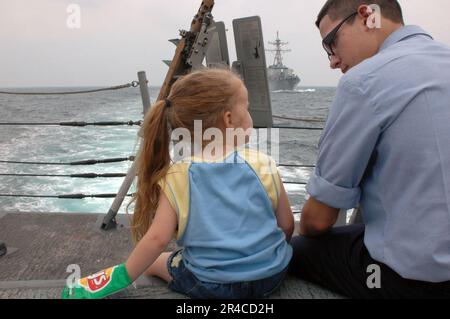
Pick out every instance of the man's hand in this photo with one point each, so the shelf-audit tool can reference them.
(100, 285)
(317, 218)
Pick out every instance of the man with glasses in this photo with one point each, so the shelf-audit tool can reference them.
(386, 149)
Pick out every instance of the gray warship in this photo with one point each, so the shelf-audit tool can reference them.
(280, 76)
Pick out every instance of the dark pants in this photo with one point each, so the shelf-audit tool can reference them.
(340, 261)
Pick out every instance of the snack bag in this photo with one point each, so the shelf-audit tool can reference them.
(99, 285)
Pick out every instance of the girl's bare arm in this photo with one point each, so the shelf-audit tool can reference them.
(155, 240)
(284, 215)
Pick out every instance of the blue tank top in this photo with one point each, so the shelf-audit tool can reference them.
(226, 217)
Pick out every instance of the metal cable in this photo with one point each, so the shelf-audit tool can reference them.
(112, 88)
(87, 175)
(296, 165)
(299, 119)
(295, 183)
(77, 124)
(117, 160)
(68, 196)
(299, 128)
(79, 163)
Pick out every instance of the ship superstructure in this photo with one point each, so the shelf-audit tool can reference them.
(280, 76)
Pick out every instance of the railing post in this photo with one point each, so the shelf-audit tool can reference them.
(109, 222)
(342, 218)
(356, 217)
(144, 91)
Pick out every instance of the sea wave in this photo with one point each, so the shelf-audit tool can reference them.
(62, 144)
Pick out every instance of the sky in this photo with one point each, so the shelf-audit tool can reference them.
(118, 38)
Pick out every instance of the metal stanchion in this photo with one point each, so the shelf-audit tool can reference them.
(342, 218)
(356, 217)
(109, 222)
(144, 91)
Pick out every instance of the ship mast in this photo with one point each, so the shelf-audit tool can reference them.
(278, 61)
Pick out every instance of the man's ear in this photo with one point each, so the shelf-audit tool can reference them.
(370, 15)
(227, 119)
(364, 12)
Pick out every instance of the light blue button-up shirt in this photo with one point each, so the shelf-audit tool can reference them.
(386, 147)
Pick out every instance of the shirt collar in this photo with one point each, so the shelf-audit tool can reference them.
(403, 33)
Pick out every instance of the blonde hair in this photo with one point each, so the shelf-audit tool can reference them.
(203, 95)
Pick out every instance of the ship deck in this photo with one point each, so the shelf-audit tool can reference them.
(42, 245)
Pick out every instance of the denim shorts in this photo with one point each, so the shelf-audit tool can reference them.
(185, 282)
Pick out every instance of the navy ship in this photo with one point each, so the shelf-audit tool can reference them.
(280, 76)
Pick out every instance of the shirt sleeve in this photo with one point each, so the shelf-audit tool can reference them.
(272, 182)
(345, 148)
(167, 189)
(175, 186)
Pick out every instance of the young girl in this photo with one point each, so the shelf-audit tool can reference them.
(228, 209)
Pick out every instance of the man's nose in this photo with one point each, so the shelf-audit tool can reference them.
(335, 62)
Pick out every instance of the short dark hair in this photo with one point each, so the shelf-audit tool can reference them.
(339, 9)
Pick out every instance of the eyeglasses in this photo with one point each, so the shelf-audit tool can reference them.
(329, 39)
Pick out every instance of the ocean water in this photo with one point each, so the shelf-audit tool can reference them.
(69, 144)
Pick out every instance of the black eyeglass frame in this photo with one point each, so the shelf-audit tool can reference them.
(327, 42)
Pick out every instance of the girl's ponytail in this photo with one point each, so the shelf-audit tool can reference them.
(153, 163)
(203, 95)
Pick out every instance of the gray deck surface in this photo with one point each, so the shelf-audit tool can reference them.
(41, 246)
